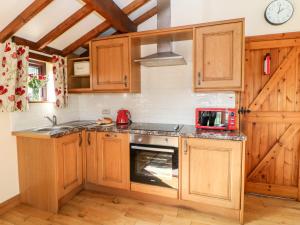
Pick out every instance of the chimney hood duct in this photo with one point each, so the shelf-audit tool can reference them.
(165, 55)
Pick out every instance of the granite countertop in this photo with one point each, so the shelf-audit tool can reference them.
(186, 131)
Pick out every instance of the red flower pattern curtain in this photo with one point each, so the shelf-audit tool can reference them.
(13, 77)
(60, 81)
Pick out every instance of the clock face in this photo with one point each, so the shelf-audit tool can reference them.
(279, 12)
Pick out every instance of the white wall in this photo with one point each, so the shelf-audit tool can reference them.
(166, 92)
(8, 160)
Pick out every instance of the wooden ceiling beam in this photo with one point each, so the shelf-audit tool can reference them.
(103, 27)
(111, 12)
(64, 26)
(32, 10)
(33, 46)
(141, 19)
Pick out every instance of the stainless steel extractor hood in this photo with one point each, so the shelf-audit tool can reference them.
(165, 55)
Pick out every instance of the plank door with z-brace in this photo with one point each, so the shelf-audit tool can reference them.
(272, 126)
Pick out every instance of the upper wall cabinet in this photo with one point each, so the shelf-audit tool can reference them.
(218, 57)
(111, 66)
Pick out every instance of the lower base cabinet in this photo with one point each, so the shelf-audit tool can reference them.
(108, 159)
(212, 172)
(49, 169)
(70, 163)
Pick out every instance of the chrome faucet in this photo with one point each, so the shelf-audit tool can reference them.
(53, 120)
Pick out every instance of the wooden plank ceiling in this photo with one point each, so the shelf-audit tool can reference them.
(121, 20)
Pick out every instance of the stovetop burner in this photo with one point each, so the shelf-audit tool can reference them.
(156, 127)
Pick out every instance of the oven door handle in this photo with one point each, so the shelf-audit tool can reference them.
(168, 150)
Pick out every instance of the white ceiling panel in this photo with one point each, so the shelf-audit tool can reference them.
(9, 10)
(77, 31)
(55, 13)
(143, 9)
(122, 3)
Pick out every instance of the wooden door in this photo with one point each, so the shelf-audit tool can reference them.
(272, 127)
(211, 172)
(113, 160)
(218, 57)
(69, 155)
(110, 64)
(91, 158)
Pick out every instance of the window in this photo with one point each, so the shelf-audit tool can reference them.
(40, 83)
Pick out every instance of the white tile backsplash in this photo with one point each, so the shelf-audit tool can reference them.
(167, 97)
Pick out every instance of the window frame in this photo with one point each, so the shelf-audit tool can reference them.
(42, 70)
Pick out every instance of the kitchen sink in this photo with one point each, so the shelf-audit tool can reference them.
(50, 129)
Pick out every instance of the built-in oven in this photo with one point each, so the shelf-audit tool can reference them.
(154, 160)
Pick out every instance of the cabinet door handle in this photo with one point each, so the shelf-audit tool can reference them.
(185, 147)
(199, 78)
(110, 135)
(125, 81)
(80, 140)
(89, 139)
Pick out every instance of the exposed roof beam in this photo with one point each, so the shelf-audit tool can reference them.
(32, 10)
(134, 6)
(32, 45)
(33, 55)
(111, 12)
(64, 26)
(102, 27)
(146, 16)
(87, 37)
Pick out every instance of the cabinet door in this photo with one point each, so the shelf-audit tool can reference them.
(219, 57)
(113, 160)
(211, 172)
(110, 64)
(91, 158)
(69, 155)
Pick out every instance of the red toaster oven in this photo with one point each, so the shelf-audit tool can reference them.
(216, 118)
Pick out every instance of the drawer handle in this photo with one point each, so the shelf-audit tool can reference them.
(89, 139)
(199, 78)
(185, 147)
(80, 140)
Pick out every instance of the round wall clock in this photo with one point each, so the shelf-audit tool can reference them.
(279, 12)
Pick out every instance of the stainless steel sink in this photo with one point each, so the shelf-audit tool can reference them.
(50, 129)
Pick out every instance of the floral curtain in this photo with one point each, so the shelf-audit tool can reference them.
(13, 77)
(60, 81)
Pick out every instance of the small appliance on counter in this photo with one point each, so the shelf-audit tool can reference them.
(123, 117)
(216, 118)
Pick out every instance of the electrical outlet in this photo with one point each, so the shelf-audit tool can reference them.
(106, 112)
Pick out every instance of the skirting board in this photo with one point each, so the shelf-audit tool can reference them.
(9, 204)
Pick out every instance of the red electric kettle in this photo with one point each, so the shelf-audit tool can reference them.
(123, 117)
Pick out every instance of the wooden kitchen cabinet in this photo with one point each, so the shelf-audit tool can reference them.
(212, 172)
(112, 69)
(218, 57)
(91, 158)
(50, 169)
(113, 160)
(70, 164)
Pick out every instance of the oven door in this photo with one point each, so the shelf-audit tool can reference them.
(155, 165)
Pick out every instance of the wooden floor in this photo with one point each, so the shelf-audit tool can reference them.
(89, 208)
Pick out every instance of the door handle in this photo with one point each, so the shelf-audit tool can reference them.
(89, 139)
(185, 147)
(80, 140)
(125, 81)
(199, 78)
